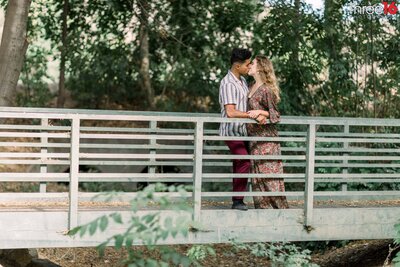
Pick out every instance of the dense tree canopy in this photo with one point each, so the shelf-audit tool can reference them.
(171, 54)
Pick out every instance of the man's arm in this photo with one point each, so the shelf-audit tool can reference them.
(232, 112)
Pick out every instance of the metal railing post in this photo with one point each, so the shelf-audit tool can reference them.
(345, 154)
(74, 173)
(197, 170)
(43, 150)
(309, 185)
(152, 142)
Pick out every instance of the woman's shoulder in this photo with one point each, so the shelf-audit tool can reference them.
(264, 87)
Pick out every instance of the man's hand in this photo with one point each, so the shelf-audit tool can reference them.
(261, 119)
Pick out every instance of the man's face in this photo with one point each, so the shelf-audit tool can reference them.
(244, 68)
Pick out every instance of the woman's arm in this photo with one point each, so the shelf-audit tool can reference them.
(255, 113)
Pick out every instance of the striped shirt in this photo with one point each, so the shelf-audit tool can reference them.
(233, 91)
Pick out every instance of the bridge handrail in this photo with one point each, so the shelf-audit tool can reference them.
(207, 117)
(198, 136)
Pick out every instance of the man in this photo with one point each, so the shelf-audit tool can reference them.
(233, 93)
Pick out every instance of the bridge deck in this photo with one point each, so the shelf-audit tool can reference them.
(206, 205)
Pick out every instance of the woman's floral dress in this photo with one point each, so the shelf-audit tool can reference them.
(264, 99)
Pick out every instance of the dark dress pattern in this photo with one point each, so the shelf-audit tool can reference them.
(263, 99)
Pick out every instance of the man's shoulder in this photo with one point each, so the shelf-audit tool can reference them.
(226, 81)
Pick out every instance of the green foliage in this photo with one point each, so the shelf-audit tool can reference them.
(323, 58)
(396, 259)
(290, 35)
(200, 252)
(34, 77)
(148, 230)
(279, 254)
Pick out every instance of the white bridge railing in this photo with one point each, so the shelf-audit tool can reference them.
(340, 157)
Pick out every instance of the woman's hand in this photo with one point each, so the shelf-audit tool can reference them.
(261, 119)
(254, 113)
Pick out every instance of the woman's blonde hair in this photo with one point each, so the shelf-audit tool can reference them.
(267, 74)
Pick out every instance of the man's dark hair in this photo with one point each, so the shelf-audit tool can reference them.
(240, 55)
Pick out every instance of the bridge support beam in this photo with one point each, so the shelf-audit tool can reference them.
(197, 170)
(74, 173)
(309, 185)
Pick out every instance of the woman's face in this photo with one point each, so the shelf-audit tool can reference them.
(253, 68)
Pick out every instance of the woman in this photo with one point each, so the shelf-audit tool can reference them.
(262, 100)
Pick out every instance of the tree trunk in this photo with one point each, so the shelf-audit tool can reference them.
(63, 50)
(145, 81)
(13, 48)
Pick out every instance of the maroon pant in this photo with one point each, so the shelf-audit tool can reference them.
(239, 165)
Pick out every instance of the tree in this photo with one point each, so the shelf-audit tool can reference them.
(145, 80)
(13, 47)
(64, 48)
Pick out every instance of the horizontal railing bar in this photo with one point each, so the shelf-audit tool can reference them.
(356, 193)
(32, 155)
(182, 147)
(132, 175)
(36, 162)
(167, 147)
(355, 140)
(30, 144)
(98, 196)
(136, 163)
(136, 130)
(142, 163)
(31, 115)
(162, 116)
(137, 136)
(37, 196)
(34, 174)
(33, 179)
(248, 138)
(357, 180)
(183, 163)
(136, 179)
(251, 175)
(134, 156)
(356, 165)
(373, 135)
(325, 149)
(129, 146)
(281, 133)
(359, 150)
(183, 180)
(250, 194)
(205, 175)
(357, 175)
(34, 127)
(32, 135)
(226, 157)
(374, 158)
(321, 149)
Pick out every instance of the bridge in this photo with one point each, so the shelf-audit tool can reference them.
(341, 175)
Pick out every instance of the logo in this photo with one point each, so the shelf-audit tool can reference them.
(390, 8)
(386, 8)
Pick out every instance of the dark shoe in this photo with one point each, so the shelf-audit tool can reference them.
(239, 205)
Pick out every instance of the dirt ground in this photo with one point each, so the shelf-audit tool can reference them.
(365, 253)
(82, 257)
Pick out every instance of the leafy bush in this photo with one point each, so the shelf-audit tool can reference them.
(200, 252)
(148, 230)
(279, 254)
